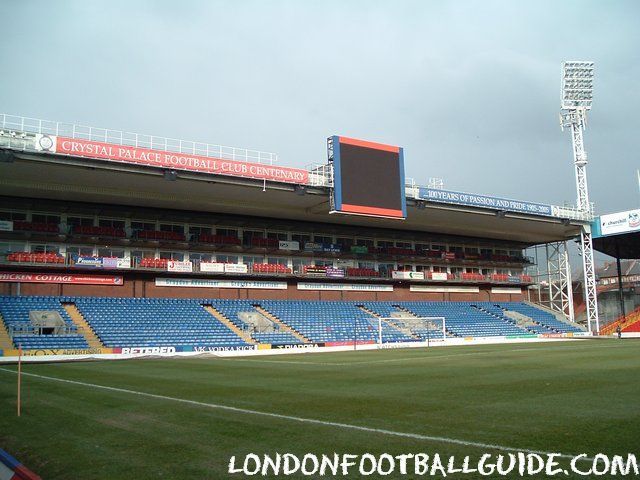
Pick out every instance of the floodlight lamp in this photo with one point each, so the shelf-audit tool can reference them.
(577, 85)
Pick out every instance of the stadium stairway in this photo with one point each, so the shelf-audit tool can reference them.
(5, 340)
(558, 315)
(624, 322)
(83, 326)
(391, 324)
(283, 326)
(497, 312)
(246, 336)
(522, 321)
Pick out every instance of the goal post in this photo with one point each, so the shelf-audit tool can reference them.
(425, 329)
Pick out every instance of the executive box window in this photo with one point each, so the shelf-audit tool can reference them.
(323, 263)
(81, 251)
(144, 226)
(110, 222)
(226, 258)
(364, 242)
(345, 243)
(200, 257)
(80, 221)
(143, 254)
(44, 218)
(250, 260)
(198, 230)
(169, 227)
(45, 248)
(301, 238)
(322, 239)
(12, 247)
(10, 216)
(227, 232)
(277, 236)
(111, 252)
(177, 256)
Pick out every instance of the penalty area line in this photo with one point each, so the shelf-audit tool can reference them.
(345, 426)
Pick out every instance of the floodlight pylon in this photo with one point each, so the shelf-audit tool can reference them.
(576, 100)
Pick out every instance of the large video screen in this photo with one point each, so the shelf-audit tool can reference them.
(368, 178)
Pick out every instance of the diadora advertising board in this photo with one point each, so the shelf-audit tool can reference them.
(168, 160)
(621, 222)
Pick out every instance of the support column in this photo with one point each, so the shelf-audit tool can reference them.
(559, 278)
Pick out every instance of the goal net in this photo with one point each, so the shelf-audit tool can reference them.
(397, 329)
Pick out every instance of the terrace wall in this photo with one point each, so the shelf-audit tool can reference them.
(143, 286)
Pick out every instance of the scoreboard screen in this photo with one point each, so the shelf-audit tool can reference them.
(368, 178)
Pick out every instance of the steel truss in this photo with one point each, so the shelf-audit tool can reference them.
(576, 120)
(559, 278)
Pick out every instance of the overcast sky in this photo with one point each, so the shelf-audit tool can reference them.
(470, 89)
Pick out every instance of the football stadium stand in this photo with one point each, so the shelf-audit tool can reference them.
(146, 322)
(120, 252)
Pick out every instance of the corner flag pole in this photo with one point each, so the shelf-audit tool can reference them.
(19, 377)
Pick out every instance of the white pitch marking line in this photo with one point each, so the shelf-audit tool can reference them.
(394, 360)
(415, 436)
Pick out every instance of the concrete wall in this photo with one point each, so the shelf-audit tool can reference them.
(143, 286)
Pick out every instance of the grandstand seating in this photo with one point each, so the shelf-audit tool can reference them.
(98, 231)
(15, 313)
(362, 272)
(147, 322)
(264, 242)
(136, 322)
(153, 263)
(160, 235)
(463, 319)
(270, 268)
(542, 317)
(231, 309)
(26, 257)
(218, 239)
(331, 321)
(472, 276)
(36, 227)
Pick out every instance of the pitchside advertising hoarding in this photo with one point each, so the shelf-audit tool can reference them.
(368, 178)
(168, 160)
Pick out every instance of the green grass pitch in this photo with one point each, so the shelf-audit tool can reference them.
(570, 397)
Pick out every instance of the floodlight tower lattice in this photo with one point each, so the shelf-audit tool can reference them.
(577, 96)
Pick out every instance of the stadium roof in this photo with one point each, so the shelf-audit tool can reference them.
(618, 234)
(66, 178)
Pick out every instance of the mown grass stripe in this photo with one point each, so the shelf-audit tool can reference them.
(414, 436)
